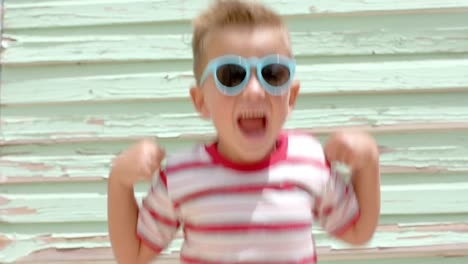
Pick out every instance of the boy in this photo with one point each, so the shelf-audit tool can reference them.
(251, 195)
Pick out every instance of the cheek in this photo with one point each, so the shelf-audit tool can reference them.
(280, 109)
(220, 106)
(280, 103)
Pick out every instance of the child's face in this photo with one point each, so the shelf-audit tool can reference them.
(247, 122)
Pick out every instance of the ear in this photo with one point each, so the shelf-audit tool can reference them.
(293, 93)
(198, 100)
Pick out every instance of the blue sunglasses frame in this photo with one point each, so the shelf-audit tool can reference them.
(247, 64)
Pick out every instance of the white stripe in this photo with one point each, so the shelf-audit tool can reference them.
(160, 203)
(300, 145)
(196, 180)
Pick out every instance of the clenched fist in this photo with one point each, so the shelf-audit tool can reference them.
(355, 149)
(138, 163)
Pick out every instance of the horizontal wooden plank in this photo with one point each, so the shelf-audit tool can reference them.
(26, 49)
(43, 184)
(33, 14)
(91, 207)
(184, 124)
(176, 119)
(385, 245)
(439, 137)
(347, 78)
(423, 152)
(377, 130)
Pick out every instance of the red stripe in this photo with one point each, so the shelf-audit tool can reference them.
(160, 218)
(276, 156)
(308, 161)
(157, 249)
(291, 160)
(225, 227)
(189, 165)
(316, 213)
(327, 211)
(163, 177)
(191, 260)
(238, 189)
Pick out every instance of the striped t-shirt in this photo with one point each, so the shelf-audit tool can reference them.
(256, 213)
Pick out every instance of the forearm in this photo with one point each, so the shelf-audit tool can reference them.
(366, 184)
(122, 218)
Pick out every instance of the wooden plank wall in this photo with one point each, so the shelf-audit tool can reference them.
(81, 80)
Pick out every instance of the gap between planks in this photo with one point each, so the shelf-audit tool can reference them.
(384, 129)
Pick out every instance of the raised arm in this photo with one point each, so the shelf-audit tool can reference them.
(359, 151)
(137, 163)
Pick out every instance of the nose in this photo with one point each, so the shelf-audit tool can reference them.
(253, 91)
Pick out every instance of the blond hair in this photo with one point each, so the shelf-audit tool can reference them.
(224, 13)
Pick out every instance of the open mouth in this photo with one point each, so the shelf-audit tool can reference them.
(253, 124)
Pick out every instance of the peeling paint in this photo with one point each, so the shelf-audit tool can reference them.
(17, 211)
(56, 14)
(4, 242)
(3, 201)
(94, 121)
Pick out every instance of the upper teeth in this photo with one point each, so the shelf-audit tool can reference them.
(253, 115)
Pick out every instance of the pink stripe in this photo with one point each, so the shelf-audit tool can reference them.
(237, 189)
(190, 260)
(225, 227)
(160, 218)
(273, 244)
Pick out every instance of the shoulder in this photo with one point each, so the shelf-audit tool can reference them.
(186, 158)
(304, 145)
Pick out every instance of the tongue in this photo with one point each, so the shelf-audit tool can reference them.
(252, 125)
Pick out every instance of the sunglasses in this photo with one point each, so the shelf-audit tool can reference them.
(232, 73)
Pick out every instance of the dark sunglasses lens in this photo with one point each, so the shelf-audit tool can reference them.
(230, 75)
(276, 74)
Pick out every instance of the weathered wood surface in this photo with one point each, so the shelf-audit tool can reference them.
(81, 80)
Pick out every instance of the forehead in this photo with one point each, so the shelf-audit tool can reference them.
(247, 42)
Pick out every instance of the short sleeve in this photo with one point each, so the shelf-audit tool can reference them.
(157, 218)
(337, 209)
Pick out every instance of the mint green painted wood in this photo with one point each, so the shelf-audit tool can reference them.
(382, 77)
(443, 151)
(67, 13)
(183, 124)
(91, 207)
(175, 47)
(82, 80)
